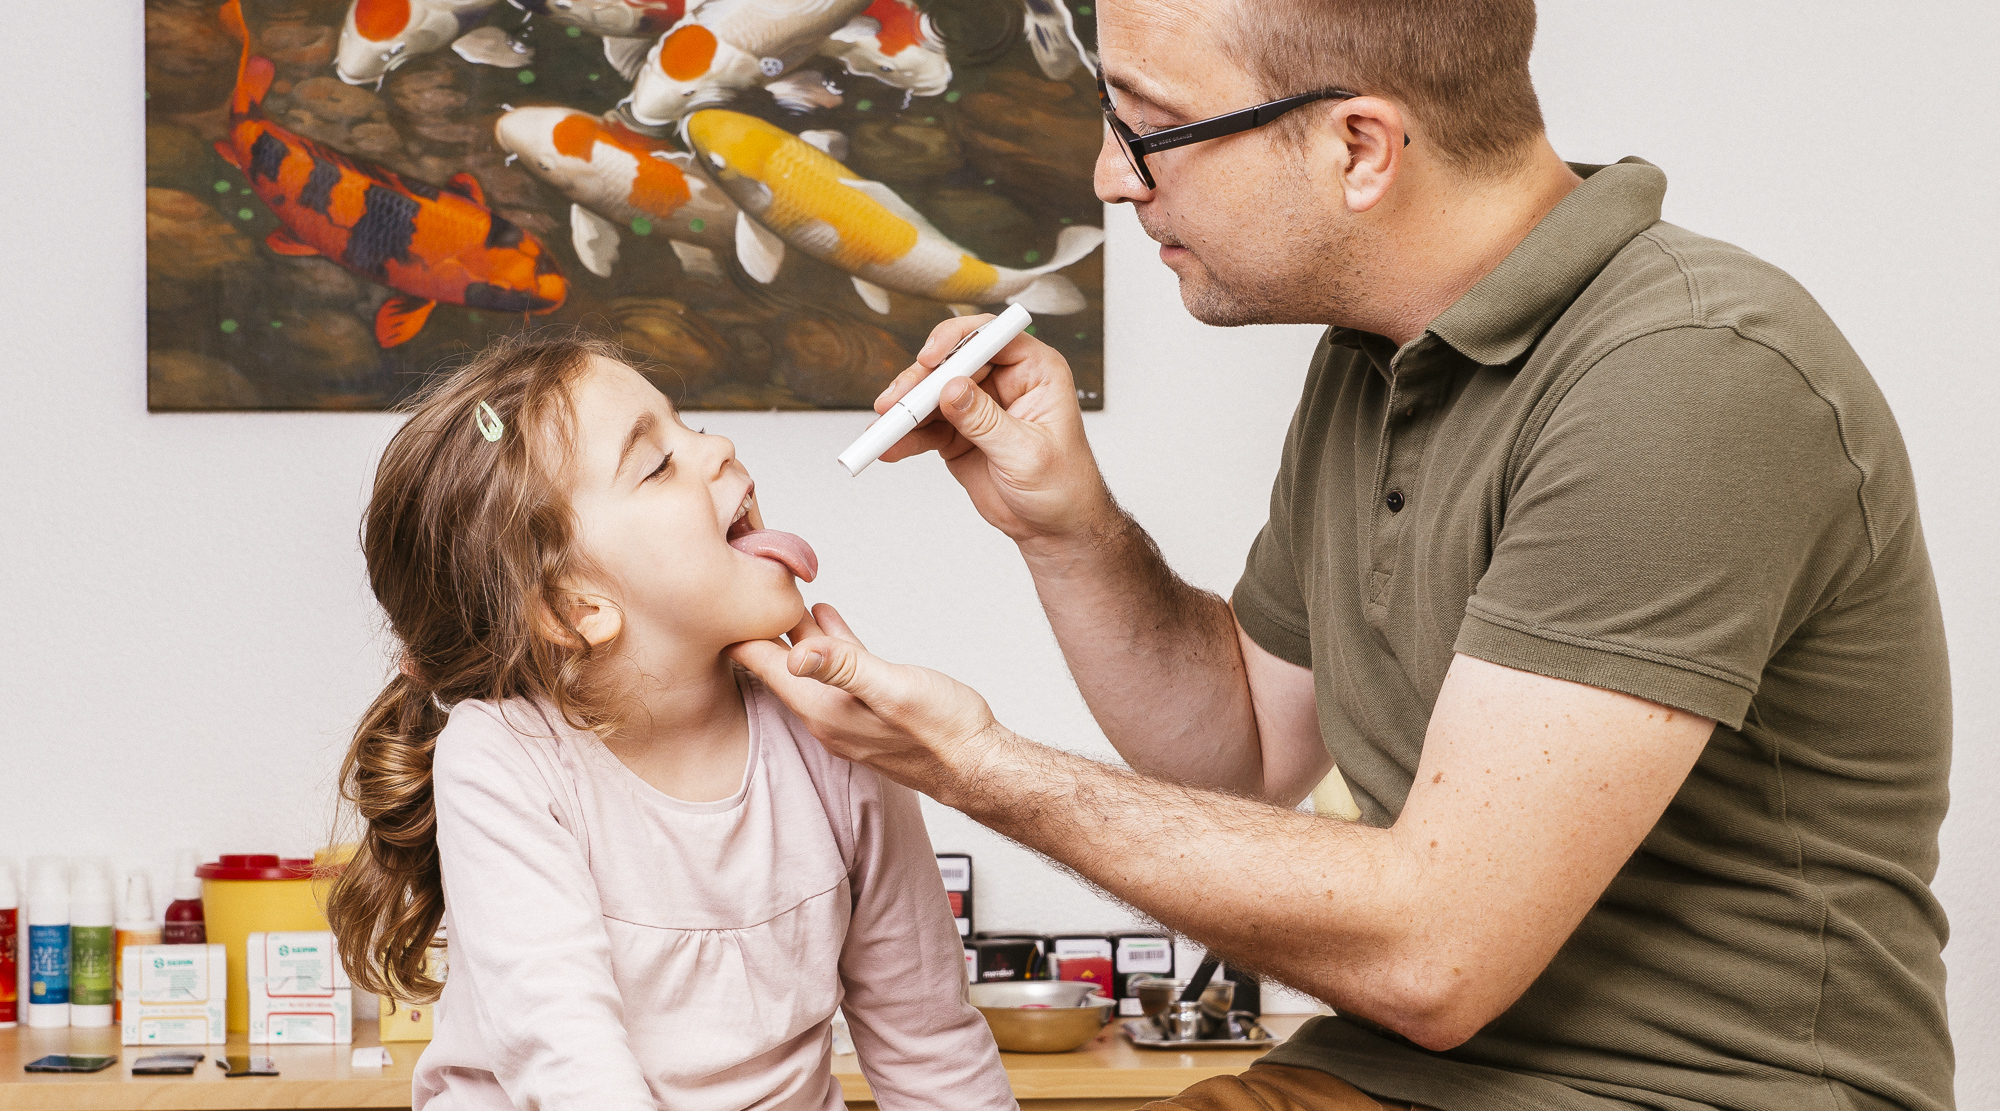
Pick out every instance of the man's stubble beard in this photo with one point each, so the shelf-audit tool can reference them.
(1318, 281)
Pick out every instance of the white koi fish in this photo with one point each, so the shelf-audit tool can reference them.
(380, 35)
(628, 27)
(490, 46)
(895, 44)
(615, 177)
(795, 193)
(727, 46)
(1051, 33)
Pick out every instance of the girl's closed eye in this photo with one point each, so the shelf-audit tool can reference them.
(665, 462)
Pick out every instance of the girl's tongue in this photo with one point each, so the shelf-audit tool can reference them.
(787, 549)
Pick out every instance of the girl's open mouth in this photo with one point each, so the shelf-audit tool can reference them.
(792, 551)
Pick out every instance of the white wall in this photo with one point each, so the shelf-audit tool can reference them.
(188, 637)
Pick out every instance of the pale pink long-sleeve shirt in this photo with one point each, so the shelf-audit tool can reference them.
(614, 948)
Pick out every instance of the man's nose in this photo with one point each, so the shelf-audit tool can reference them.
(1113, 178)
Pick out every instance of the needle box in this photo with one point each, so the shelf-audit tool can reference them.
(299, 994)
(174, 995)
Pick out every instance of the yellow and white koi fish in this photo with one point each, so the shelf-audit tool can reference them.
(796, 193)
(380, 35)
(895, 44)
(616, 177)
(727, 46)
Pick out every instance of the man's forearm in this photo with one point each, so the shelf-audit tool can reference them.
(1155, 658)
(1316, 903)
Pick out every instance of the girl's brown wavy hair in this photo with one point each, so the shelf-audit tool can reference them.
(468, 541)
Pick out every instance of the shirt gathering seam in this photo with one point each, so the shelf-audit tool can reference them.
(1603, 644)
(732, 929)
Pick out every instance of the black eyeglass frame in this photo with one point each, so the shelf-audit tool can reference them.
(1138, 146)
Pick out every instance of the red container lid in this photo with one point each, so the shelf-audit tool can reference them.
(256, 866)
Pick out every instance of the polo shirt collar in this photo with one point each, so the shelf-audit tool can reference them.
(1503, 315)
(1508, 310)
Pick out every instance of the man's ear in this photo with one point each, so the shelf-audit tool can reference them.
(1371, 129)
(595, 618)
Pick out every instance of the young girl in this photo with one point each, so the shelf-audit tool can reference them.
(655, 885)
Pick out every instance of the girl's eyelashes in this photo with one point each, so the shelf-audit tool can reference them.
(665, 461)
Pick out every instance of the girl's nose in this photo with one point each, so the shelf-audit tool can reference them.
(723, 447)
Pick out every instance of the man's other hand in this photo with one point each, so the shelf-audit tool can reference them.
(920, 727)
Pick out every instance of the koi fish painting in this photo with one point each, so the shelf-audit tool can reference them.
(768, 203)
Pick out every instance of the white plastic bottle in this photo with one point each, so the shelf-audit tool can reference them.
(48, 942)
(137, 925)
(93, 921)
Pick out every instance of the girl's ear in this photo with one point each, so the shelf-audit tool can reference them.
(596, 618)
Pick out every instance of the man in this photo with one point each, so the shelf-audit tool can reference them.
(1593, 562)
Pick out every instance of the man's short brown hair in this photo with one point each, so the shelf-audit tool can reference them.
(1459, 67)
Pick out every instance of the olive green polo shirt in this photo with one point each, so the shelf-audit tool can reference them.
(1643, 460)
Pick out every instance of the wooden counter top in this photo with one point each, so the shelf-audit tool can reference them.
(1107, 1074)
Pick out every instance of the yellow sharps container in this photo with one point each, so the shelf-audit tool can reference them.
(246, 894)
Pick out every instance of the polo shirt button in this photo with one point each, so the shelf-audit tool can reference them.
(1394, 501)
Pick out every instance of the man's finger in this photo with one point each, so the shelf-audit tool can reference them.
(835, 662)
(835, 625)
(763, 658)
(946, 336)
(932, 436)
(978, 417)
(806, 627)
(943, 339)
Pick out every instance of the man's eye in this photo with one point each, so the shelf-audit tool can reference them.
(665, 461)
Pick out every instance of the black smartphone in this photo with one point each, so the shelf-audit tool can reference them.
(63, 1062)
(237, 1064)
(168, 1064)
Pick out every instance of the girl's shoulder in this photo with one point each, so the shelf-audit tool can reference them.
(509, 738)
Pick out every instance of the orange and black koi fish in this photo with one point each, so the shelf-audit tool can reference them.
(428, 243)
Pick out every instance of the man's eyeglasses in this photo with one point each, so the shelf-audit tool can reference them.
(1137, 147)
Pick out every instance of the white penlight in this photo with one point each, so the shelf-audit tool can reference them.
(916, 407)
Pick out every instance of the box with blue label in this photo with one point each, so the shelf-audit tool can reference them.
(173, 995)
(299, 994)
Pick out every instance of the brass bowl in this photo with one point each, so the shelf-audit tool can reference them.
(1041, 1016)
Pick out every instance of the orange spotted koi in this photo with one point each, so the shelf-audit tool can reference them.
(428, 243)
(895, 44)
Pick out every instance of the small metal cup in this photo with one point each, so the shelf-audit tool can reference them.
(1183, 1022)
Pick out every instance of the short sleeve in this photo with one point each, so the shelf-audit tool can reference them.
(1686, 505)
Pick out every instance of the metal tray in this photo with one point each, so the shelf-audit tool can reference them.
(1143, 1034)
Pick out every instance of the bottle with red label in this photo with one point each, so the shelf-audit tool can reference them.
(184, 924)
(10, 949)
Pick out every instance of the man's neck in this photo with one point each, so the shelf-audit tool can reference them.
(1441, 237)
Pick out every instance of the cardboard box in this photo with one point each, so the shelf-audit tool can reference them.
(956, 871)
(299, 993)
(174, 995)
(1135, 954)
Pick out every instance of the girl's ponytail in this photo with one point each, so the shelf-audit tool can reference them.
(467, 537)
(386, 906)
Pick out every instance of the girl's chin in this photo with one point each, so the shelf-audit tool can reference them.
(775, 620)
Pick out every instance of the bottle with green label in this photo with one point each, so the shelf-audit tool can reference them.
(93, 915)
